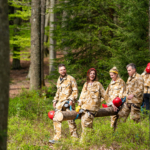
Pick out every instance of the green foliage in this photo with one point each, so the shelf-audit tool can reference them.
(30, 103)
(19, 27)
(102, 34)
(130, 43)
(30, 128)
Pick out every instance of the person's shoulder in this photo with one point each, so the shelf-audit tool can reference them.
(143, 74)
(121, 80)
(71, 78)
(139, 77)
(98, 83)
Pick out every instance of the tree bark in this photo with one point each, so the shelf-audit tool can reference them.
(64, 15)
(47, 18)
(52, 52)
(4, 72)
(43, 9)
(71, 115)
(16, 49)
(35, 79)
(149, 26)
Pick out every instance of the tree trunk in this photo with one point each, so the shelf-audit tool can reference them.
(16, 48)
(43, 9)
(4, 72)
(35, 76)
(149, 26)
(64, 15)
(71, 115)
(52, 52)
(47, 18)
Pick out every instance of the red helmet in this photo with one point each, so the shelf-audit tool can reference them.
(117, 102)
(148, 69)
(51, 114)
(104, 105)
(148, 64)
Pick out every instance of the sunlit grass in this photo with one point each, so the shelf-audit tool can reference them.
(29, 128)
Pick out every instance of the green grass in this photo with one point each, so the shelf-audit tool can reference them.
(29, 128)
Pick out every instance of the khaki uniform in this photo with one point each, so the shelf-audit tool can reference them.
(146, 77)
(135, 86)
(115, 89)
(90, 101)
(66, 90)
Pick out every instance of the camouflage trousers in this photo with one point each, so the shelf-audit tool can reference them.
(86, 122)
(126, 110)
(113, 120)
(57, 127)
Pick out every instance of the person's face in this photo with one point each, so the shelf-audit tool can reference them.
(92, 75)
(62, 71)
(131, 71)
(113, 76)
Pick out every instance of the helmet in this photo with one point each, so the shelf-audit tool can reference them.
(117, 102)
(104, 105)
(148, 69)
(51, 114)
(148, 64)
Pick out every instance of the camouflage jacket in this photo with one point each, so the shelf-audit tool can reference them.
(135, 86)
(90, 99)
(66, 90)
(115, 89)
(146, 77)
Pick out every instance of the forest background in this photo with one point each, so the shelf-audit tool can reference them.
(88, 33)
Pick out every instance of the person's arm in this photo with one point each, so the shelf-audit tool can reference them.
(122, 90)
(74, 95)
(56, 98)
(140, 87)
(102, 91)
(107, 97)
(82, 95)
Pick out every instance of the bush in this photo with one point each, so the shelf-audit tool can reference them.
(29, 103)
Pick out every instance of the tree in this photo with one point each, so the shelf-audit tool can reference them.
(52, 52)
(35, 78)
(4, 72)
(43, 9)
(16, 49)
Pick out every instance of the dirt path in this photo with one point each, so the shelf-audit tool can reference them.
(18, 78)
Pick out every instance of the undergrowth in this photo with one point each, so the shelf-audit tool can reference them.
(30, 128)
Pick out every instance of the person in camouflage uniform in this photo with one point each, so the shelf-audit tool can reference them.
(146, 77)
(115, 89)
(67, 92)
(90, 99)
(134, 95)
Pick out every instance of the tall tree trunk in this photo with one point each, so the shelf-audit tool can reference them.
(35, 76)
(4, 72)
(43, 9)
(16, 48)
(64, 15)
(149, 26)
(47, 18)
(52, 52)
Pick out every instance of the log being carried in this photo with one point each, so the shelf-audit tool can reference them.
(71, 115)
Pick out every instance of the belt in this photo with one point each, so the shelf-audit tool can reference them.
(132, 105)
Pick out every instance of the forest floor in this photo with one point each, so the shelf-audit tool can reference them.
(19, 80)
